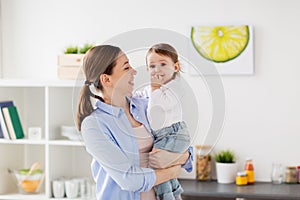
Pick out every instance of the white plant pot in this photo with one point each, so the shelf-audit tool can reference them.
(226, 172)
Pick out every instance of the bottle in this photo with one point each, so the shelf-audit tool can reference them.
(249, 168)
(277, 173)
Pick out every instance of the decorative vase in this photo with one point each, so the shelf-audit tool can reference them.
(226, 172)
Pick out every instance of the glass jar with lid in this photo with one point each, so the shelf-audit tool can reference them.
(241, 178)
(203, 163)
(291, 174)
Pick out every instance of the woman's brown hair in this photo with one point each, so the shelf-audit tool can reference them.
(98, 60)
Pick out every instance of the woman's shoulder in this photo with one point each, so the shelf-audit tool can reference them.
(95, 125)
(95, 117)
(90, 119)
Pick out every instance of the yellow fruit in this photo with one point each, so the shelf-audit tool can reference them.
(30, 185)
(220, 43)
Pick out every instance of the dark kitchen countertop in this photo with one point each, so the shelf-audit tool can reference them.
(210, 190)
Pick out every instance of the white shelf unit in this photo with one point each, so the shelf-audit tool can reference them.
(46, 104)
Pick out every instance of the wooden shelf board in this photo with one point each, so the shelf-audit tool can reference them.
(23, 196)
(23, 141)
(66, 143)
(39, 83)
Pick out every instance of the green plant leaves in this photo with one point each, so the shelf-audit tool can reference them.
(225, 156)
(85, 48)
(71, 50)
(76, 50)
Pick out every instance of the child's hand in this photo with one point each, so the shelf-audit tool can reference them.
(155, 82)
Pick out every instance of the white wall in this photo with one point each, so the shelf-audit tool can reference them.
(262, 116)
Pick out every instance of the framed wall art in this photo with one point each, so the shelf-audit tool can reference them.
(227, 48)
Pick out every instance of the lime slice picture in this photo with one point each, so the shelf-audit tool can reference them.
(220, 43)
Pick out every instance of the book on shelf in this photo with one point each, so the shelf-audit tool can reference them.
(13, 122)
(1, 133)
(3, 127)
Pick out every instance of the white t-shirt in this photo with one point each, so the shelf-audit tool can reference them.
(165, 105)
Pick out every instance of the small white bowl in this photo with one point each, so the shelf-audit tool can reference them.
(70, 132)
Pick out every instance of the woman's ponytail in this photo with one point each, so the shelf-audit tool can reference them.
(97, 61)
(85, 106)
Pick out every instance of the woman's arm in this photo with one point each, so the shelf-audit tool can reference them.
(118, 165)
(163, 175)
(160, 159)
(183, 158)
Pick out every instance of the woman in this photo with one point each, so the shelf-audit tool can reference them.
(111, 131)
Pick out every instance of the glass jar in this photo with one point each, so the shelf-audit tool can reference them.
(277, 173)
(241, 178)
(291, 174)
(203, 163)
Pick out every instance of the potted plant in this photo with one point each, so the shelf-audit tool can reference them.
(71, 50)
(70, 62)
(70, 57)
(226, 166)
(85, 48)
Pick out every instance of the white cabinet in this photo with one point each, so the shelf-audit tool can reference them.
(45, 104)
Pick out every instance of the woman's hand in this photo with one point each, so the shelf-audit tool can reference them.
(159, 159)
(163, 175)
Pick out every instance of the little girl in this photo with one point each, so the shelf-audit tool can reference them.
(164, 110)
